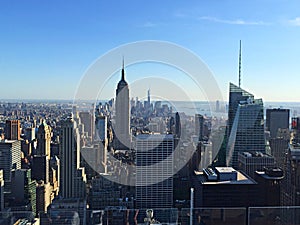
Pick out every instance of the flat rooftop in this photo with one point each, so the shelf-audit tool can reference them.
(241, 179)
(225, 170)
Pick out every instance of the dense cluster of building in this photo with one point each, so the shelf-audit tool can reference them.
(64, 164)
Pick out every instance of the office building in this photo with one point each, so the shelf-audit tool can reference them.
(154, 161)
(291, 185)
(121, 125)
(236, 95)
(72, 178)
(23, 191)
(277, 119)
(10, 158)
(12, 130)
(269, 182)
(247, 127)
(199, 126)
(40, 168)
(44, 139)
(224, 187)
(43, 196)
(250, 162)
(87, 119)
(101, 127)
(30, 133)
(279, 147)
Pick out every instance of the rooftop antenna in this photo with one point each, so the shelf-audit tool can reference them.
(123, 72)
(240, 63)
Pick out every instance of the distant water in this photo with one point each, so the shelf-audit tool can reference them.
(204, 108)
(189, 108)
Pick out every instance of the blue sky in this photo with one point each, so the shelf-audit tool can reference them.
(46, 47)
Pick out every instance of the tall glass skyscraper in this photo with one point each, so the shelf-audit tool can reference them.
(154, 171)
(245, 125)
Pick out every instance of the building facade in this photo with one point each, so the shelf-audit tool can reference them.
(154, 162)
(44, 139)
(12, 130)
(275, 119)
(10, 158)
(121, 125)
(72, 180)
(247, 127)
(250, 162)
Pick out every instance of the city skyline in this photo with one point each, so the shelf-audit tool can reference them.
(46, 46)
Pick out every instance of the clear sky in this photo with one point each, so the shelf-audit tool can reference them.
(46, 46)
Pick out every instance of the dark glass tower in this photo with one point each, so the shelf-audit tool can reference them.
(236, 95)
(121, 127)
(277, 119)
(245, 125)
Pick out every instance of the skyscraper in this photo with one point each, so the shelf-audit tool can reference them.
(121, 126)
(40, 168)
(154, 161)
(12, 130)
(87, 119)
(72, 179)
(10, 158)
(245, 123)
(199, 125)
(291, 185)
(101, 127)
(236, 95)
(44, 139)
(275, 119)
(23, 189)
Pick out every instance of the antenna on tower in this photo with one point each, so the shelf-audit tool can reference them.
(240, 63)
(123, 72)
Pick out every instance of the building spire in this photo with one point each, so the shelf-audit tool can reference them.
(240, 63)
(123, 71)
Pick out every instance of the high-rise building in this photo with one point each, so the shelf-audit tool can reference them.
(23, 190)
(101, 127)
(10, 158)
(291, 185)
(199, 126)
(279, 147)
(40, 168)
(246, 125)
(269, 181)
(275, 119)
(121, 126)
(44, 139)
(177, 125)
(250, 162)
(87, 119)
(154, 172)
(43, 196)
(72, 183)
(236, 95)
(12, 130)
(224, 187)
(30, 133)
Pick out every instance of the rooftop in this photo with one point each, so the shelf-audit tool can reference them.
(240, 178)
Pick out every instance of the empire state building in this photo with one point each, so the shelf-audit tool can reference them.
(121, 127)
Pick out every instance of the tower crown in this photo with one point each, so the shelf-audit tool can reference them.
(122, 83)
